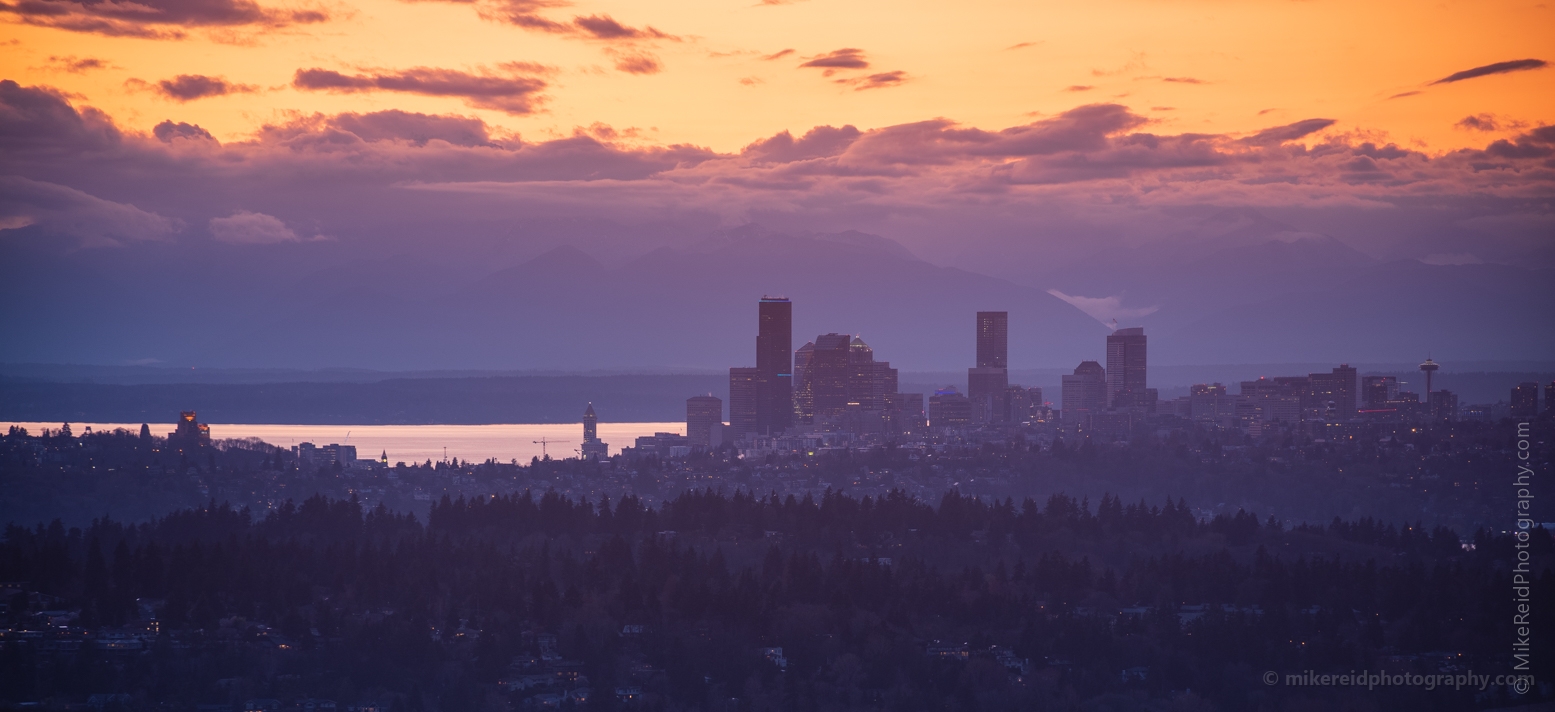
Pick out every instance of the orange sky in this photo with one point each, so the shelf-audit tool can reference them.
(1249, 65)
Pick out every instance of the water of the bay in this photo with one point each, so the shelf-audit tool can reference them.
(415, 443)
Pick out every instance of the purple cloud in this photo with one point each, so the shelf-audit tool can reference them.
(1517, 65)
(188, 87)
(78, 65)
(1289, 132)
(845, 58)
(636, 62)
(513, 93)
(153, 18)
(168, 132)
(876, 81)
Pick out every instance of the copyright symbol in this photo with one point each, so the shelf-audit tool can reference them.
(1521, 685)
(1273, 678)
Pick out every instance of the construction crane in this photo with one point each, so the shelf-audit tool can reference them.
(542, 442)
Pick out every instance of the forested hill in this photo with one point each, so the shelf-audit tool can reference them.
(887, 603)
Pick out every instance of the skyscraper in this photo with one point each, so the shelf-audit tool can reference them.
(1084, 392)
(1525, 400)
(827, 375)
(993, 339)
(761, 399)
(742, 400)
(1126, 369)
(1336, 389)
(989, 379)
(840, 370)
(704, 415)
(949, 409)
(775, 362)
(1377, 391)
(804, 396)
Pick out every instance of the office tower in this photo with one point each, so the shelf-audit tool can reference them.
(826, 375)
(987, 381)
(593, 448)
(774, 361)
(1525, 400)
(1335, 390)
(985, 389)
(1444, 405)
(804, 396)
(1376, 391)
(1084, 392)
(1017, 404)
(904, 413)
(993, 339)
(862, 376)
(742, 400)
(1549, 398)
(1126, 368)
(1273, 400)
(704, 415)
(949, 409)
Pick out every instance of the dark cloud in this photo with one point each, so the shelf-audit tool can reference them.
(416, 129)
(39, 121)
(605, 27)
(876, 81)
(153, 18)
(778, 54)
(188, 87)
(846, 58)
(168, 132)
(1183, 80)
(1489, 122)
(1401, 95)
(819, 142)
(1536, 144)
(636, 62)
(514, 93)
(1289, 132)
(1079, 87)
(78, 65)
(526, 14)
(1516, 65)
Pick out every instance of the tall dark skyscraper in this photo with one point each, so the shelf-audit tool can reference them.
(840, 370)
(826, 375)
(988, 381)
(1126, 368)
(993, 339)
(761, 399)
(775, 363)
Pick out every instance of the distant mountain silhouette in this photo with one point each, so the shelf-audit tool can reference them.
(1256, 293)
